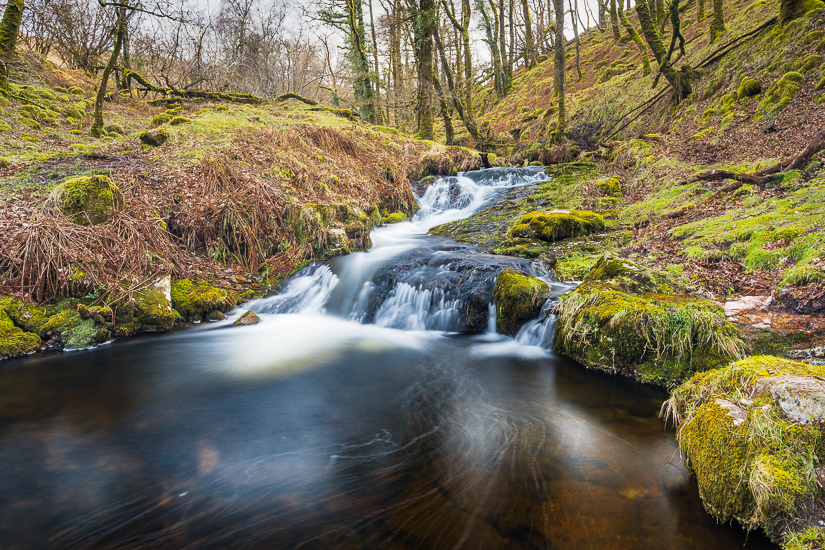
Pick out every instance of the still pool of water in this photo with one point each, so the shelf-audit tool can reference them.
(316, 432)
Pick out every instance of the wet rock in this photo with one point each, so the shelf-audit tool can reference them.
(555, 225)
(518, 299)
(801, 398)
(153, 311)
(248, 318)
(215, 315)
(747, 304)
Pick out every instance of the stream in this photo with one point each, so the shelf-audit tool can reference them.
(374, 406)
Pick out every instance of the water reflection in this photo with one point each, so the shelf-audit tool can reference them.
(356, 437)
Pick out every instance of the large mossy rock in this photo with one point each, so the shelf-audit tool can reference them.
(617, 322)
(81, 327)
(752, 437)
(195, 299)
(518, 298)
(14, 341)
(88, 200)
(154, 137)
(154, 311)
(555, 225)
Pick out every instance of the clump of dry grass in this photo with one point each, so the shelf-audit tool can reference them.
(44, 254)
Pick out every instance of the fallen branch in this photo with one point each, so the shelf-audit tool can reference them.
(291, 95)
(130, 75)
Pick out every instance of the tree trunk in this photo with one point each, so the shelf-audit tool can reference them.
(717, 26)
(791, 9)
(646, 70)
(574, 14)
(424, 22)
(529, 46)
(680, 80)
(614, 21)
(120, 31)
(558, 70)
(445, 112)
(376, 72)
(9, 29)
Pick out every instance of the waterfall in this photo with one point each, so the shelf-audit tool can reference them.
(410, 281)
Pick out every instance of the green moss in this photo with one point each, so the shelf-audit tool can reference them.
(716, 455)
(88, 199)
(30, 317)
(14, 341)
(77, 332)
(153, 311)
(612, 186)
(74, 90)
(154, 138)
(555, 225)
(810, 62)
(748, 87)
(812, 538)
(29, 123)
(194, 299)
(160, 120)
(751, 462)
(4, 126)
(518, 299)
(178, 120)
(780, 94)
(114, 128)
(395, 217)
(821, 84)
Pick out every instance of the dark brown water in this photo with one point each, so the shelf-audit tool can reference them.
(312, 432)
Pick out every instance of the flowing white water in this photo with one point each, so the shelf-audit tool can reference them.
(349, 288)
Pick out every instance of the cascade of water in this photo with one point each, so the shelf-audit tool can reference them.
(363, 286)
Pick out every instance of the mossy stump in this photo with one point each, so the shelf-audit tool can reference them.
(88, 200)
(518, 298)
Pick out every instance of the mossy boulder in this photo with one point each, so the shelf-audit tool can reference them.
(88, 200)
(154, 311)
(555, 225)
(75, 90)
(14, 341)
(114, 128)
(30, 317)
(248, 318)
(195, 299)
(617, 322)
(752, 437)
(178, 120)
(810, 62)
(79, 327)
(518, 298)
(155, 137)
(748, 87)
(780, 94)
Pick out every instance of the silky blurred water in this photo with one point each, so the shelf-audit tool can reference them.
(316, 432)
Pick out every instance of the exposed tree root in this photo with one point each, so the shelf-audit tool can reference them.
(761, 178)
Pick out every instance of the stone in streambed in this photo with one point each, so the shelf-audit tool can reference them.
(519, 299)
(248, 318)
